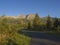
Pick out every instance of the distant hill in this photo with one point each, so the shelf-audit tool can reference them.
(29, 17)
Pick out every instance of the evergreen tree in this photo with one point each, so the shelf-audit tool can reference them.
(48, 24)
(36, 22)
(56, 24)
(29, 25)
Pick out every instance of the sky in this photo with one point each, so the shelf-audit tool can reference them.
(42, 7)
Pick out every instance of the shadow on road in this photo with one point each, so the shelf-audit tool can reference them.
(40, 35)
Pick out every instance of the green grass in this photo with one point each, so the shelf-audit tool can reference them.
(15, 38)
(22, 39)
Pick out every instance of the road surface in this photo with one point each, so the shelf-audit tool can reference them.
(41, 38)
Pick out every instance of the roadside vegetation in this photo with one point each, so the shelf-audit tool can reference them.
(9, 33)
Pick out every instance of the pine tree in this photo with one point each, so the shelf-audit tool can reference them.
(56, 24)
(48, 24)
(29, 25)
(36, 22)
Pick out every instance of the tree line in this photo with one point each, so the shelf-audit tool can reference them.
(50, 24)
(37, 24)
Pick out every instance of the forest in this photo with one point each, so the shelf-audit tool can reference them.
(10, 27)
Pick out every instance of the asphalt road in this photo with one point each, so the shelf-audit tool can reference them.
(41, 38)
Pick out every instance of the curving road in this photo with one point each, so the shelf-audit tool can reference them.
(42, 38)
